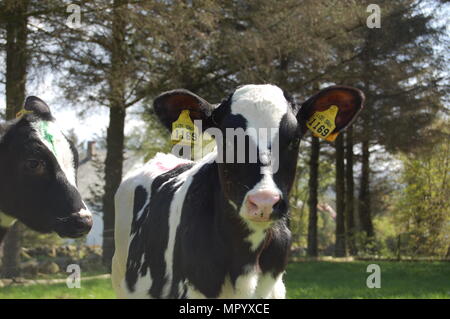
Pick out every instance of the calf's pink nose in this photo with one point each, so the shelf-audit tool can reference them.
(264, 200)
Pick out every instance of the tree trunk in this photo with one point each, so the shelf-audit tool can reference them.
(115, 132)
(349, 194)
(16, 75)
(364, 195)
(313, 185)
(340, 249)
(16, 55)
(113, 177)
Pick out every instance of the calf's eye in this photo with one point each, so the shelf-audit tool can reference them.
(35, 166)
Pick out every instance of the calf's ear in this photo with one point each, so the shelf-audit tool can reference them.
(349, 102)
(168, 107)
(37, 107)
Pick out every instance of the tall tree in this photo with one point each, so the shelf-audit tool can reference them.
(340, 249)
(313, 185)
(364, 208)
(16, 17)
(349, 193)
(115, 135)
(16, 20)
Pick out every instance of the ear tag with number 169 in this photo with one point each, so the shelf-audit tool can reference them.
(321, 124)
(184, 131)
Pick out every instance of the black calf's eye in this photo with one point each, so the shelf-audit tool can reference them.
(34, 166)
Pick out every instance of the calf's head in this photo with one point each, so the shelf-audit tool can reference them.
(260, 129)
(38, 166)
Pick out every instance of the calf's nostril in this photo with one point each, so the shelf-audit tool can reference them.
(251, 204)
(87, 221)
(263, 199)
(81, 222)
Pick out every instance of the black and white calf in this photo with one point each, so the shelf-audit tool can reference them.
(38, 166)
(210, 229)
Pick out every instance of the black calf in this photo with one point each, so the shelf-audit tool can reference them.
(38, 166)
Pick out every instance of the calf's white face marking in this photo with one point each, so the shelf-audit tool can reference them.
(50, 134)
(263, 107)
(84, 212)
(52, 137)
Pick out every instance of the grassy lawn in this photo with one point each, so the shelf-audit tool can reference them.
(303, 280)
(348, 280)
(90, 289)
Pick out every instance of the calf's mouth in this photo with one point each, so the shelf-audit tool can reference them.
(75, 225)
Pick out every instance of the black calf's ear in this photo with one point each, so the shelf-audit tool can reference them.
(38, 107)
(168, 107)
(339, 103)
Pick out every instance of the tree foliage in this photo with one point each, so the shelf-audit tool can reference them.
(422, 211)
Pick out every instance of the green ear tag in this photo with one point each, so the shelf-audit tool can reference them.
(321, 124)
(184, 131)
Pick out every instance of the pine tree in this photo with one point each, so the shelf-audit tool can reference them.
(340, 249)
(313, 186)
(398, 71)
(16, 24)
(349, 193)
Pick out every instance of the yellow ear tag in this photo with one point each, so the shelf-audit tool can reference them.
(22, 112)
(321, 124)
(183, 130)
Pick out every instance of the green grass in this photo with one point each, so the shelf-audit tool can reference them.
(63, 275)
(90, 289)
(303, 280)
(348, 280)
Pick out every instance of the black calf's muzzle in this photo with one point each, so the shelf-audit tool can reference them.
(74, 226)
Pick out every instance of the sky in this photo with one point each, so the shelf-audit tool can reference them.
(90, 127)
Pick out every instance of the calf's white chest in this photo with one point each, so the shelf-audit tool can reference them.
(250, 285)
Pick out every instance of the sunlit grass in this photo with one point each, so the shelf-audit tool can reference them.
(90, 289)
(348, 280)
(303, 280)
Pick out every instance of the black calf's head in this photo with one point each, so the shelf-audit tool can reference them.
(38, 166)
(258, 131)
